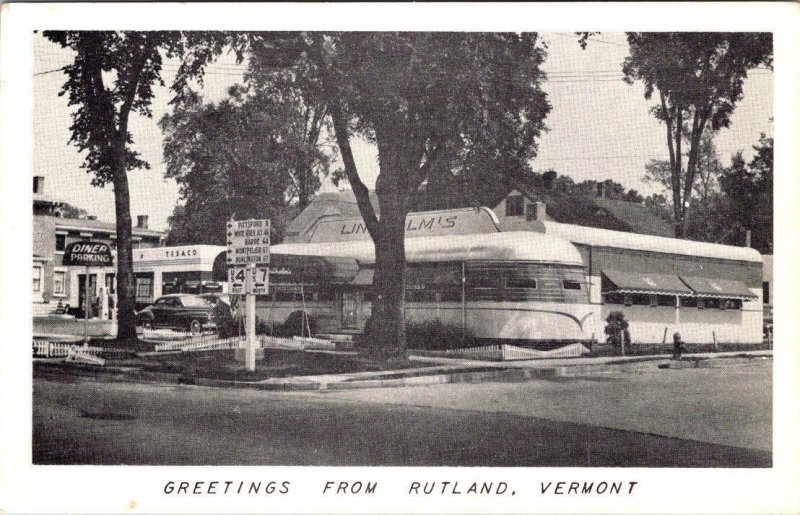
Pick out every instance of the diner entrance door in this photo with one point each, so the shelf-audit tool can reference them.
(352, 302)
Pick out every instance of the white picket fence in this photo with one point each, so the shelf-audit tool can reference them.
(264, 341)
(168, 334)
(200, 343)
(507, 352)
(493, 352)
(47, 349)
(276, 342)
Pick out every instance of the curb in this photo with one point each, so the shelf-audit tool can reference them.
(136, 374)
(456, 377)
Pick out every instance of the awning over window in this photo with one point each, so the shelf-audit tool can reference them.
(643, 282)
(718, 288)
(363, 277)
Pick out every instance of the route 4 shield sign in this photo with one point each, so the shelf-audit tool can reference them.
(237, 280)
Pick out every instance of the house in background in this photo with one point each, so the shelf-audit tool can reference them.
(52, 232)
(522, 206)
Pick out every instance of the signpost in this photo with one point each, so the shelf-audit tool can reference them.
(248, 247)
(87, 253)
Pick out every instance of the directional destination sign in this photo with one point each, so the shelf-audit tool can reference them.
(237, 280)
(248, 242)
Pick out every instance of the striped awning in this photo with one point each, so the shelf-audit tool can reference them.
(643, 282)
(718, 288)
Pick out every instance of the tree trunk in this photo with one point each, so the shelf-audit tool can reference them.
(387, 336)
(126, 290)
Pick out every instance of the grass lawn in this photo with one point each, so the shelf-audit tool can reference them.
(220, 364)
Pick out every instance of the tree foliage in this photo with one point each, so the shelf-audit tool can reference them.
(747, 197)
(259, 153)
(112, 77)
(417, 96)
(698, 78)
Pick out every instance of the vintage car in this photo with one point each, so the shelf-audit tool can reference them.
(180, 311)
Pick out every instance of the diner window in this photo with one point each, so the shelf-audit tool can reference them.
(689, 302)
(326, 293)
(515, 205)
(710, 303)
(615, 298)
(732, 304)
(521, 282)
(640, 299)
(571, 284)
(37, 279)
(653, 301)
(59, 280)
(61, 242)
(666, 300)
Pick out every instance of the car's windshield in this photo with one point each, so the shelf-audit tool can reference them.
(196, 302)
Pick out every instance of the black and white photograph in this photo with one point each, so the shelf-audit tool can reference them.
(289, 264)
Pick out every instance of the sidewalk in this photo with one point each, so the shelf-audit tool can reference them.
(473, 371)
(583, 361)
(438, 370)
(66, 325)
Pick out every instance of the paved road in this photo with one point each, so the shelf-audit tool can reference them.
(730, 405)
(82, 421)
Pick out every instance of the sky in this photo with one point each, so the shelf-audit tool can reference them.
(599, 127)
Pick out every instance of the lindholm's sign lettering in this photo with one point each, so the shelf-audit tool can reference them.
(88, 253)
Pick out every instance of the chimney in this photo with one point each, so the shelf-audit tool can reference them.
(540, 211)
(141, 222)
(38, 184)
(747, 238)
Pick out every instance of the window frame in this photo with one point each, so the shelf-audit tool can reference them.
(63, 274)
(517, 202)
(63, 238)
(37, 281)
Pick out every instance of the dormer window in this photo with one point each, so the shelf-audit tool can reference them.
(515, 205)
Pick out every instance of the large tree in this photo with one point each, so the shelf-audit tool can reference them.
(747, 197)
(698, 77)
(704, 197)
(111, 78)
(414, 95)
(258, 153)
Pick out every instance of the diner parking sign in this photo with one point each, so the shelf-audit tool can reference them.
(88, 253)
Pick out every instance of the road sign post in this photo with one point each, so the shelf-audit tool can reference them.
(250, 358)
(248, 247)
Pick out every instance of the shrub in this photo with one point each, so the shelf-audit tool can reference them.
(617, 329)
(223, 318)
(435, 335)
(298, 325)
